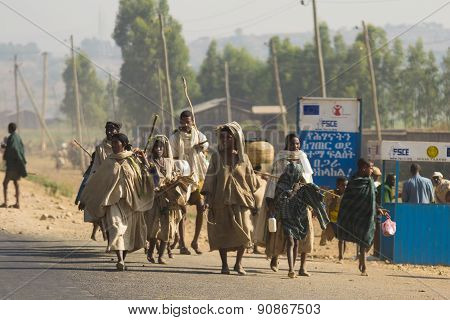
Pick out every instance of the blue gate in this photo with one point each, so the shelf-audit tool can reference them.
(422, 235)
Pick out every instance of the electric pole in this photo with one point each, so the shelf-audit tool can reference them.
(77, 103)
(44, 97)
(16, 91)
(161, 99)
(166, 67)
(319, 51)
(112, 95)
(36, 109)
(227, 92)
(276, 75)
(372, 80)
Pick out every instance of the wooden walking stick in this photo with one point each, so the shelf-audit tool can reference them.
(75, 142)
(188, 99)
(155, 118)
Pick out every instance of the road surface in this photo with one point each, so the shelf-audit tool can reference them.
(35, 268)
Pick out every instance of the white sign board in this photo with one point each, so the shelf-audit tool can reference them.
(409, 151)
(329, 130)
(329, 114)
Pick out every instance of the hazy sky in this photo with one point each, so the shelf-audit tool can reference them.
(94, 18)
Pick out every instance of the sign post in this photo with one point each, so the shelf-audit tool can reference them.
(330, 133)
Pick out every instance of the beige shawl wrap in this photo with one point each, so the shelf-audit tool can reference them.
(118, 177)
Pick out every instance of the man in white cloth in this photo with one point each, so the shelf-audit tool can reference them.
(189, 144)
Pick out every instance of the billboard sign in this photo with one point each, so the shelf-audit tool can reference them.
(330, 132)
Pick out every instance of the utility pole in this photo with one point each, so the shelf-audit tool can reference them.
(44, 97)
(227, 92)
(276, 75)
(166, 67)
(319, 51)
(36, 109)
(161, 99)
(16, 91)
(77, 103)
(372, 80)
(112, 97)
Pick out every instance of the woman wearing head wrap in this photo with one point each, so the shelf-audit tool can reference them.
(163, 218)
(276, 242)
(120, 191)
(229, 189)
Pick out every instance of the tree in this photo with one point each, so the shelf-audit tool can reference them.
(91, 90)
(445, 80)
(211, 75)
(137, 33)
(420, 87)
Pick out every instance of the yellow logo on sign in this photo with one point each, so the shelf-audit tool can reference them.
(432, 152)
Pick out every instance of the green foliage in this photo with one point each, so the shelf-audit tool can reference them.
(91, 90)
(411, 90)
(137, 33)
(249, 77)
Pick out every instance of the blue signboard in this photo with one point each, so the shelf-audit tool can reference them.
(330, 133)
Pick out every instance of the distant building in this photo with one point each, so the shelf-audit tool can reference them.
(257, 121)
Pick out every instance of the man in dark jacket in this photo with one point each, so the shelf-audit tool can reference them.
(14, 156)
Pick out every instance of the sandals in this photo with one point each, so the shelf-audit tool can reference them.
(291, 274)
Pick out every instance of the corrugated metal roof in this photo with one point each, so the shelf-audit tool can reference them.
(208, 104)
(267, 109)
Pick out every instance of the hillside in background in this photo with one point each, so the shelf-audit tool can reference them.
(107, 54)
(435, 37)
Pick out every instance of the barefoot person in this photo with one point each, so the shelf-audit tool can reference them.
(276, 242)
(189, 144)
(332, 202)
(294, 199)
(14, 156)
(165, 215)
(357, 212)
(120, 190)
(229, 190)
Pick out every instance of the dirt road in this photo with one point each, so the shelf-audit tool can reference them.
(45, 254)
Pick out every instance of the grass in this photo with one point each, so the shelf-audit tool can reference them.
(51, 187)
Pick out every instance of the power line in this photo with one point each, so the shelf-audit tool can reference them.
(130, 87)
(237, 24)
(267, 17)
(365, 57)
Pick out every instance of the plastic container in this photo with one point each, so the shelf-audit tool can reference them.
(272, 224)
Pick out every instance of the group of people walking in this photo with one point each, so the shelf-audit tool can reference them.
(138, 198)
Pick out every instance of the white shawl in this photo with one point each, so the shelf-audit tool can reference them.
(279, 164)
(196, 159)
